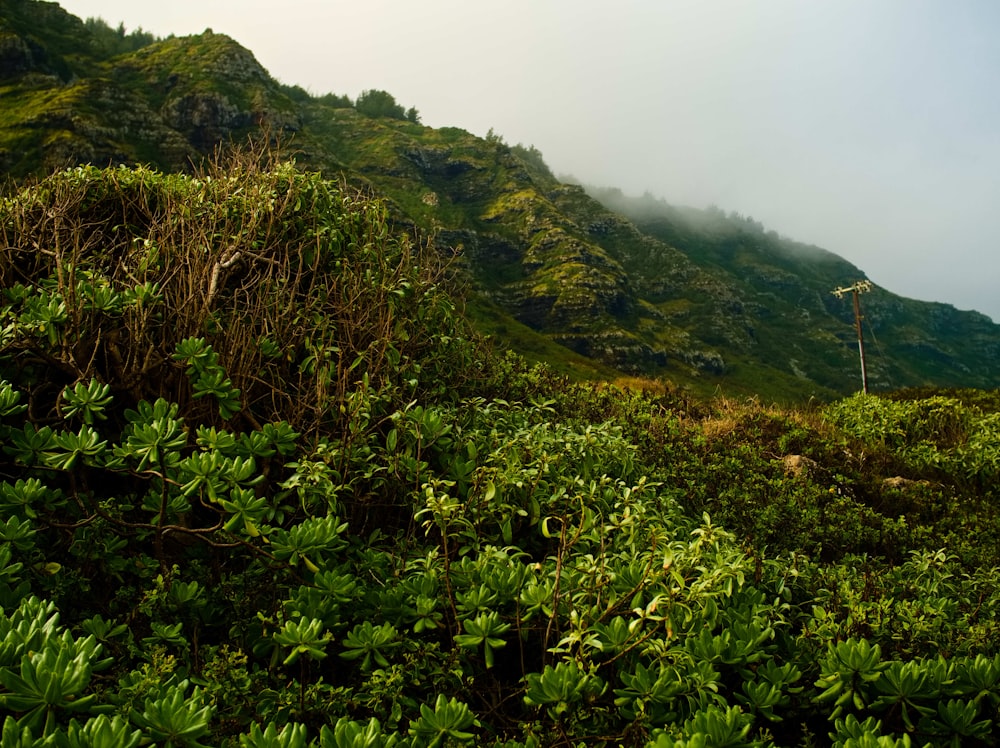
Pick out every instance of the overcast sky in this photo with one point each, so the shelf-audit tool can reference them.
(871, 129)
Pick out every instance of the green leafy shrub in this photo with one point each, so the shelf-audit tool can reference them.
(246, 459)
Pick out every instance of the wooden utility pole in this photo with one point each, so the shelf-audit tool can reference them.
(857, 289)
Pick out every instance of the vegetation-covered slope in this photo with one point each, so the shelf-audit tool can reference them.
(554, 273)
(792, 318)
(259, 486)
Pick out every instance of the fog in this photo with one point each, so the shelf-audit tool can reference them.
(870, 129)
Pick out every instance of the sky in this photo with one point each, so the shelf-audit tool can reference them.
(871, 129)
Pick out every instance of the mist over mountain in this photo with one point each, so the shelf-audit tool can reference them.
(592, 281)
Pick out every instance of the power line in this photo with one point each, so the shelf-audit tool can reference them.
(882, 355)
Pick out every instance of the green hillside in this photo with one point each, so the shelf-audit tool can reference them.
(709, 302)
(790, 316)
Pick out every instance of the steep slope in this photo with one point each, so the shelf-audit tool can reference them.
(797, 321)
(639, 287)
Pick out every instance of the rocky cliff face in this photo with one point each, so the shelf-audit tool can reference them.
(20, 56)
(165, 104)
(183, 77)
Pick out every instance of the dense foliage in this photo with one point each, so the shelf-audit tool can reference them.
(115, 41)
(377, 103)
(261, 487)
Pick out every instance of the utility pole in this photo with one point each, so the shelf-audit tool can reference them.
(857, 289)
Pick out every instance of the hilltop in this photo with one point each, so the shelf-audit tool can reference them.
(588, 280)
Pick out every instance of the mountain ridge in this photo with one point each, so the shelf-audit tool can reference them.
(707, 300)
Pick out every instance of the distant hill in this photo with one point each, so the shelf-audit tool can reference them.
(589, 280)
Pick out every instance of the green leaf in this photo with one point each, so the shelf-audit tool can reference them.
(347, 733)
(483, 630)
(370, 644)
(303, 637)
(51, 680)
(291, 735)
(9, 400)
(87, 401)
(448, 719)
(176, 718)
(100, 732)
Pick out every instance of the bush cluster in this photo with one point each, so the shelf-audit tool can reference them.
(260, 486)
